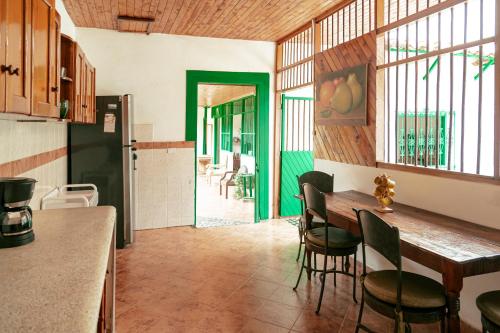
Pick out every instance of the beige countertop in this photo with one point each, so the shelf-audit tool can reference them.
(54, 284)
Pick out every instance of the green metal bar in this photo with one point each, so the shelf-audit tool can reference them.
(433, 65)
(204, 146)
(490, 59)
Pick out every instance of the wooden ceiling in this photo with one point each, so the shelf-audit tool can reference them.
(266, 20)
(212, 94)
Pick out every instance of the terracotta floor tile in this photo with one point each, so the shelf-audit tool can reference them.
(278, 314)
(229, 279)
(257, 326)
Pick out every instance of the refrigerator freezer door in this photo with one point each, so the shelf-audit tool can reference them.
(128, 170)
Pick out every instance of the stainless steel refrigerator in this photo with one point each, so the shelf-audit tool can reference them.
(102, 154)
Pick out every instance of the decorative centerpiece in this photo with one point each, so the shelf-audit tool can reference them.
(384, 192)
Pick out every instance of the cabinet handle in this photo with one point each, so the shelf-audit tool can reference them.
(14, 72)
(5, 68)
(54, 89)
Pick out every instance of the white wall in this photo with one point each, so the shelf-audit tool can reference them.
(67, 25)
(153, 69)
(474, 202)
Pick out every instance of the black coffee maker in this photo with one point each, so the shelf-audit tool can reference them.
(15, 214)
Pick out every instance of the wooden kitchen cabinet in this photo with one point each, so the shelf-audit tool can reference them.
(29, 57)
(15, 56)
(45, 59)
(78, 86)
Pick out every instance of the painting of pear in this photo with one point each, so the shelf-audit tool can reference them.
(341, 97)
(341, 100)
(356, 90)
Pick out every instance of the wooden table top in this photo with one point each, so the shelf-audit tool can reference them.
(445, 237)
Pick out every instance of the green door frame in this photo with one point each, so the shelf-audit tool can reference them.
(261, 83)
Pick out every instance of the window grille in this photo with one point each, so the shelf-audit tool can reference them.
(440, 57)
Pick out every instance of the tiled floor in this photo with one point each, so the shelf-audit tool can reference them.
(211, 206)
(233, 279)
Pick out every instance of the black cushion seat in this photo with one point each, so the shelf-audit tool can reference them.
(489, 305)
(417, 291)
(337, 238)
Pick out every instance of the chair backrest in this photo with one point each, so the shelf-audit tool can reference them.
(236, 162)
(314, 201)
(322, 181)
(380, 236)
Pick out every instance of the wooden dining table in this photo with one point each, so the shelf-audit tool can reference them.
(455, 248)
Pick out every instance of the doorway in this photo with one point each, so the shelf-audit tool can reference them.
(261, 119)
(225, 153)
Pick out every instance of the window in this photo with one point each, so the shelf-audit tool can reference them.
(226, 132)
(439, 93)
(347, 23)
(248, 127)
(295, 68)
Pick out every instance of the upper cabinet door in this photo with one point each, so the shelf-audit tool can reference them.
(79, 86)
(3, 49)
(43, 54)
(15, 36)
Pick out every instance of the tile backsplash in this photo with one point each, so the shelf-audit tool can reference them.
(23, 139)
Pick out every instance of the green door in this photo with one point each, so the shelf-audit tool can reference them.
(296, 149)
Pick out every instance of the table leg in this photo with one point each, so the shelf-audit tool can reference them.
(453, 284)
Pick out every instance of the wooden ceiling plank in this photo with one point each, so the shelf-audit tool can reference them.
(217, 27)
(209, 10)
(179, 4)
(184, 15)
(200, 8)
(236, 19)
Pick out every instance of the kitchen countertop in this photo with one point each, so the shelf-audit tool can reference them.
(54, 284)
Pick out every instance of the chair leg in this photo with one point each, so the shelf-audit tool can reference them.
(334, 274)
(227, 191)
(300, 244)
(220, 189)
(301, 270)
(309, 254)
(360, 314)
(354, 281)
(407, 328)
(323, 281)
(443, 323)
(315, 268)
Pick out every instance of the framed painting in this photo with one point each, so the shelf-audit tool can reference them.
(341, 97)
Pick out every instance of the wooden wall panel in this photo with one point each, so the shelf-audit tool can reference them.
(349, 144)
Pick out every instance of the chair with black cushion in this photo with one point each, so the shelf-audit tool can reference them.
(323, 182)
(403, 296)
(325, 240)
(489, 305)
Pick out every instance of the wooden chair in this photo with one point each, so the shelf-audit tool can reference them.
(323, 182)
(405, 297)
(325, 240)
(229, 179)
(216, 170)
(489, 305)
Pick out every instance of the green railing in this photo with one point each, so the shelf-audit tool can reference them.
(418, 148)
